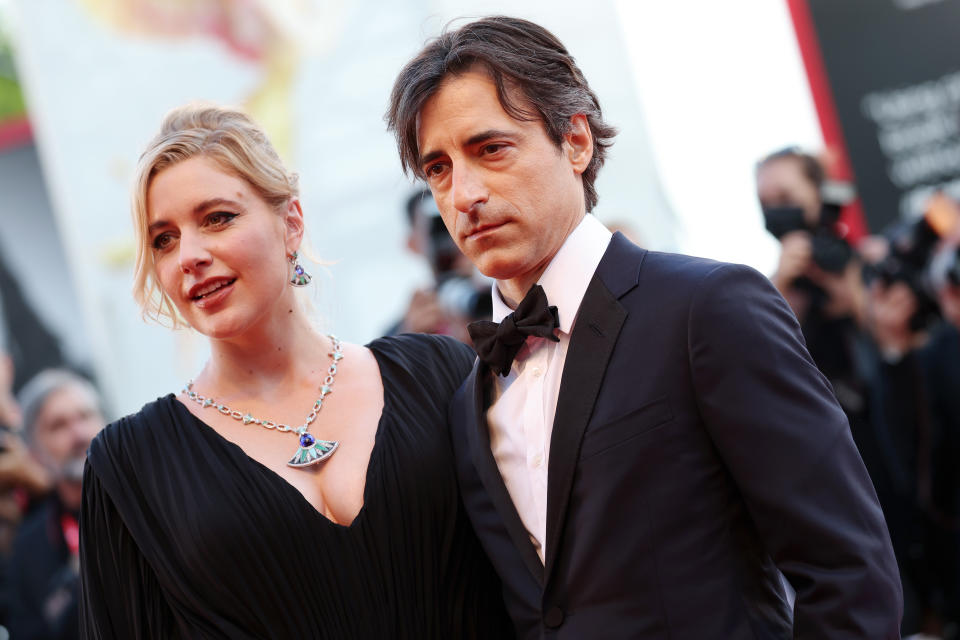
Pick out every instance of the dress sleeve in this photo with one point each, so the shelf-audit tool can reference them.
(120, 597)
(787, 444)
(440, 363)
(450, 361)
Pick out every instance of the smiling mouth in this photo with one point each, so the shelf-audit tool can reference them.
(206, 291)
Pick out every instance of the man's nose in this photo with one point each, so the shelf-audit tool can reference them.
(193, 253)
(468, 188)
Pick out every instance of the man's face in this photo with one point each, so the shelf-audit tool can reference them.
(782, 183)
(508, 195)
(63, 429)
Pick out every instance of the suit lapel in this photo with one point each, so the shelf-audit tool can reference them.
(479, 438)
(591, 344)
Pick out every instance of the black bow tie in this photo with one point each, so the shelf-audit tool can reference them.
(498, 344)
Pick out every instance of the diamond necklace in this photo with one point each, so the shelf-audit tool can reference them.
(311, 450)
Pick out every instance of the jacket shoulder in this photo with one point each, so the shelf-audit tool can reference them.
(678, 274)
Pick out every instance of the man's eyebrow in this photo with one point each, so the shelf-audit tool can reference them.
(198, 209)
(430, 157)
(483, 136)
(475, 139)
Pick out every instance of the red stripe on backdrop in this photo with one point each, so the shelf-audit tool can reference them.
(852, 215)
(15, 133)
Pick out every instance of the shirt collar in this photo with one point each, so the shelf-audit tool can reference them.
(567, 276)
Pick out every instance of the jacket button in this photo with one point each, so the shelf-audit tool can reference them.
(554, 618)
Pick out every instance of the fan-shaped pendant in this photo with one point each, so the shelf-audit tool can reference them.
(300, 277)
(312, 451)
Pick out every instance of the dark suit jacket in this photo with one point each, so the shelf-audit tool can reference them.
(696, 449)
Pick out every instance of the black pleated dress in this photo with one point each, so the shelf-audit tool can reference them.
(185, 536)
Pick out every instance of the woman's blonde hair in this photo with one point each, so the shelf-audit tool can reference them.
(231, 139)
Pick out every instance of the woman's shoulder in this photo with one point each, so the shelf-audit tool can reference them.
(426, 348)
(426, 356)
(122, 442)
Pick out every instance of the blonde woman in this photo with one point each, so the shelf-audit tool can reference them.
(298, 487)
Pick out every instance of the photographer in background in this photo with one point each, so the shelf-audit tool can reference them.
(940, 360)
(944, 495)
(874, 331)
(915, 409)
(457, 295)
(818, 273)
(902, 302)
(61, 415)
(21, 479)
(944, 275)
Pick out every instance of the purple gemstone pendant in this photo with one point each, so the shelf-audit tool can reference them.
(312, 451)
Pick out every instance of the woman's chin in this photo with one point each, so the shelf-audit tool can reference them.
(219, 328)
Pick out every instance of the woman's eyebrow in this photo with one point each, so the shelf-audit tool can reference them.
(198, 209)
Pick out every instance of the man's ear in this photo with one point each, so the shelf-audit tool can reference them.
(293, 225)
(578, 143)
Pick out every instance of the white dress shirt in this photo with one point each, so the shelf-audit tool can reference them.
(525, 401)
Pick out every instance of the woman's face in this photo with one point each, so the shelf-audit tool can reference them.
(220, 251)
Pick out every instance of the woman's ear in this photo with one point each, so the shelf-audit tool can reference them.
(293, 225)
(578, 143)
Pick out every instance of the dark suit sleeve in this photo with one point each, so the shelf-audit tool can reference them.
(120, 597)
(787, 445)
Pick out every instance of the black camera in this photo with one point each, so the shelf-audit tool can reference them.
(464, 297)
(830, 251)
(951, 270)
(944, 269)
(441, 251)
(456, 292)
(912, 245)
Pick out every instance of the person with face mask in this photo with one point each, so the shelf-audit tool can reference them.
(61, 415)
(801, 209)
(818, 272)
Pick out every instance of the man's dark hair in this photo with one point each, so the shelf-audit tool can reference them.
(811, 167)
(535, 76)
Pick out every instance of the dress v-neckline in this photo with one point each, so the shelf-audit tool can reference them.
(374, 452)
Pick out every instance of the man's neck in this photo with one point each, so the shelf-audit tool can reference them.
(514, 289)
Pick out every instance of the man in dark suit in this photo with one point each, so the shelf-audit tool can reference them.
(644, 440)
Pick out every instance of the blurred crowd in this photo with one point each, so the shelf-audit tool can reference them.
(45, 431)
(881, 319)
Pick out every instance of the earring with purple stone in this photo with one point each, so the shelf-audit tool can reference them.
(300, 277)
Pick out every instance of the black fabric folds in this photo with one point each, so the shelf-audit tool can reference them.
(184, 536)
